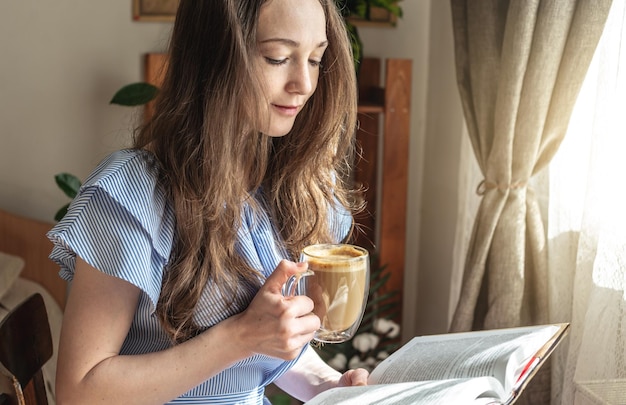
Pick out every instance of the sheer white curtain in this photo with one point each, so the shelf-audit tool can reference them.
(583, 199)
(586, 228)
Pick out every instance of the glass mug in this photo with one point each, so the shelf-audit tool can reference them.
(337, 280)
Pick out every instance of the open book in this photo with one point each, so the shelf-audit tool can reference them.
(484, 367)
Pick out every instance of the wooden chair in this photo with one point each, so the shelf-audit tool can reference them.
(25, 346)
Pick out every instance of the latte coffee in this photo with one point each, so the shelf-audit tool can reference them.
(338, 284)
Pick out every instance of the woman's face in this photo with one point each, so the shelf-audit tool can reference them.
(291, 40)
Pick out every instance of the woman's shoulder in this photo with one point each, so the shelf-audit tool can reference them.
(125, 164)
(129, 176)
(128, 180)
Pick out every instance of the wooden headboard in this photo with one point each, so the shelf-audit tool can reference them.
(26, 238)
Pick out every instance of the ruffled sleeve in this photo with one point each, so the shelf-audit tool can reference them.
(119, 223)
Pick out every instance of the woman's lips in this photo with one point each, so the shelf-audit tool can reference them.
(287, 110)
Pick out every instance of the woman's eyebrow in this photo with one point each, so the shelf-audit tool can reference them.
(290, 42)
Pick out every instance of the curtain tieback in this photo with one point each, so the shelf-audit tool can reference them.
(485, 186)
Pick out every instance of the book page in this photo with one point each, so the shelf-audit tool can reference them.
(464, 355)
(479, 391)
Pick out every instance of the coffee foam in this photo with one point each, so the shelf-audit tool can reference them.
(335, 259)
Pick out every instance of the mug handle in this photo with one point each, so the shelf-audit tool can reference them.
(292, 286)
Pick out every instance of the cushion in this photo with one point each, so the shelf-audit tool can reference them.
(10, 268)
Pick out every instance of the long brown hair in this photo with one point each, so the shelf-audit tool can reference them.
(211, 158)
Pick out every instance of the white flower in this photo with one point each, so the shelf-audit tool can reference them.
(386, 327)
(338, 362)
(365, 342)
(370, 362)
(355, 362)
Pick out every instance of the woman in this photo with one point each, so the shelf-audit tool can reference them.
(177, 249)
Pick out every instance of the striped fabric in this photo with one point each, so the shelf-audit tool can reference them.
(122, 224)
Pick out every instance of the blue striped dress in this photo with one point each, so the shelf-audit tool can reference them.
(122, 224)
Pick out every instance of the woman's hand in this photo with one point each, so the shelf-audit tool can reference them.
(276, 325)
(358, 376)
(311, 375)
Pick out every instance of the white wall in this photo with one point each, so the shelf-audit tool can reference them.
(62, 61)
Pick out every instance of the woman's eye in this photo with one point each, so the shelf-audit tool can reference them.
(315, 63)
(272, 61)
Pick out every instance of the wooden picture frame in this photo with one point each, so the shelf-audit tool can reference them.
(154, 10)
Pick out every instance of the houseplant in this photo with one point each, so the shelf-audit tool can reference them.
(361, 10)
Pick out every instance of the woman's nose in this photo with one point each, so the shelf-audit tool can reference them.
(301, 79)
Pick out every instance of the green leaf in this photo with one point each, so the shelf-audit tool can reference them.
(359, 9)
(61, 212)
(389, 5)
(69, 183)
(370, 316)
(372, 304)
(135, 94)
(280, 399)
(357, 45)
(379, 283)
(387, 307)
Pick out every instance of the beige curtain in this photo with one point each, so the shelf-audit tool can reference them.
(520, 65)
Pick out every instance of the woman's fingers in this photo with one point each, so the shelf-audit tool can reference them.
(285, 269)
(357, 376)
(276, 325)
